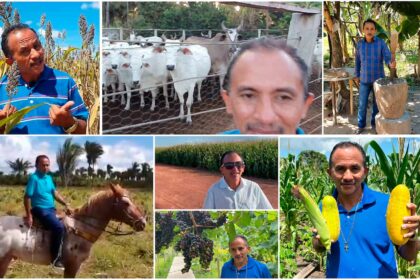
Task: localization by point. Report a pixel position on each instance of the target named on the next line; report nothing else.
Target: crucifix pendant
(346, 247)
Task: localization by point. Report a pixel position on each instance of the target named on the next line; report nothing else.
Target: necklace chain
(346, 241)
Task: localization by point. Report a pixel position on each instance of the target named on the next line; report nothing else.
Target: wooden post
(394, 46)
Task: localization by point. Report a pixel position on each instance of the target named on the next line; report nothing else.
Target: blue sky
(119, 151)
(325, 145)
(63, 16)
(167, 141)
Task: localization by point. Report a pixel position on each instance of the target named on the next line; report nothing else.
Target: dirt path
(186, 188)
(177, 266)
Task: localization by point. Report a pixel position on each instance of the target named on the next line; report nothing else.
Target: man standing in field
(371, 52)
(39, 199)
(241, 265)
(266, 88)
(364, 249)
(64, 110)
(232, 191)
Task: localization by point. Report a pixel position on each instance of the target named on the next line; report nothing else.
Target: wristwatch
(72, 128)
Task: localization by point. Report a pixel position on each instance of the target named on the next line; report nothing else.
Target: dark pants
(364, 91)
(49, 221)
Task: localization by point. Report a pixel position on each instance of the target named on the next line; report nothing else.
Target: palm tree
(19, 166)
(93, 152)
(67, 160)
(134, 170)
(109, 168)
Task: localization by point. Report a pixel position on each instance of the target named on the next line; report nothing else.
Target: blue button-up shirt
(53, 87)
(253, 269)
(370, 251)
(370, 59)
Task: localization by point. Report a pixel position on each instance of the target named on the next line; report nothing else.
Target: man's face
(266, 93)
(239, 250)
(43, 165)
(27, 51)
(232, 167)
(369, 30)
(347, 171)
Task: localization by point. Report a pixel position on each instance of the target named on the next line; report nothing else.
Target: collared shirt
(53, 87)
(248, 195)
(370, 59)
(40, 189)
(253, 269)
(237, 131)
(370, 251)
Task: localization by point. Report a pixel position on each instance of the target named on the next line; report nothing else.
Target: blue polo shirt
(237, 131)
(370, 251)
(53, 87)
(253, 269)
(40, 189)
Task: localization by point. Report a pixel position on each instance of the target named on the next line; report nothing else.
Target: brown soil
(186, 188)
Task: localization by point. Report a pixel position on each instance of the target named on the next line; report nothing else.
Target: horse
(83, 227)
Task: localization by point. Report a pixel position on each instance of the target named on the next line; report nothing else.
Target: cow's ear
(239, 37)
(223, 37)
(186, 51)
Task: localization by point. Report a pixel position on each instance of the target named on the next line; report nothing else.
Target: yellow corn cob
(396, 211)
(315, 215)
(330, 213)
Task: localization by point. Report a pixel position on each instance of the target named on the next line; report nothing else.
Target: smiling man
(63, 109)
(266, 88)
(364, 249)
(232, 191)
(241, 265)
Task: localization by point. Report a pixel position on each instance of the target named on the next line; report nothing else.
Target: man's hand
(393, 64)
(411, 222)
(28, 221)
(7, 111)
(61, 116)
(316, 241)
(68, 210)
(357, 81)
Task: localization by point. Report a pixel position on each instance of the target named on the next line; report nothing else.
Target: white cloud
(92, 5)
(55, 33)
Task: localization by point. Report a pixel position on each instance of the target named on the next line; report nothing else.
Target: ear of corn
(315, 215)
(396, 211)
(330, 213)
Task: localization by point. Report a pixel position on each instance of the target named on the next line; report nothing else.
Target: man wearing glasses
(232, 191)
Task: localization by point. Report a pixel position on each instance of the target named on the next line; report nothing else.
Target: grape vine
(191, 243)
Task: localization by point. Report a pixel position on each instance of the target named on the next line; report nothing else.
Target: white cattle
(316, 65)
(220, 48)
(110, 74)
(125, 74)
(188, 66)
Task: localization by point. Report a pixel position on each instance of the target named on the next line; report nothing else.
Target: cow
(220, 48)
(110, 74)
(188, 66)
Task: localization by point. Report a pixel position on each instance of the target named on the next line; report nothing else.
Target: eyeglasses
(231, 165)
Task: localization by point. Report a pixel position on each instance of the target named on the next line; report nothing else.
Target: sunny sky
(325, 145)
(63, 16)
(167, 141)
(119, 151)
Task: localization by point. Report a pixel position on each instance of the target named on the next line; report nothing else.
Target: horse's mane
(98, 198)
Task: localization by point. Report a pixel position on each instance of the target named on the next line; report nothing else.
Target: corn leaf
(384, 164)
(11, 121)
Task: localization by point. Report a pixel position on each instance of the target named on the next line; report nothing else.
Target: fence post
(155, 32)
(259, 33)
(121, 34)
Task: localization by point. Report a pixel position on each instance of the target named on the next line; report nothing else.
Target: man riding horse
(39, 199)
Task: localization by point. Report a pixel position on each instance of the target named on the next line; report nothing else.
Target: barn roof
(274, 6)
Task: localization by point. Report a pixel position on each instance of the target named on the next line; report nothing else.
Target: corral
(209, 115)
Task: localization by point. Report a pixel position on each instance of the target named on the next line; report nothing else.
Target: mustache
(272, 128)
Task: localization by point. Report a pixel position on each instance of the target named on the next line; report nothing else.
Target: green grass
(164, 262)
(111, 256)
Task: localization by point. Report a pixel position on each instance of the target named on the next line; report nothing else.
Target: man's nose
(264, 111)
(348, 175)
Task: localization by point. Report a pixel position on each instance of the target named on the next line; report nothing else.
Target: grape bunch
(164, 230)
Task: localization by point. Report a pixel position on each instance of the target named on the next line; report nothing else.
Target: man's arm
(387, 54)
(63, 117)
(358, 63)
(5, 112)
(209, 201)
(263, 202)
(409, 250)
(60, 199)
(28, 218)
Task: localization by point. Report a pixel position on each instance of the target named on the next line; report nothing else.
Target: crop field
(260, 156)
(111, 256)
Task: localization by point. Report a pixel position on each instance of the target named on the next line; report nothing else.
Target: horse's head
(124, 210)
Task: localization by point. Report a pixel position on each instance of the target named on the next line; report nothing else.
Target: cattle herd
(145, 64)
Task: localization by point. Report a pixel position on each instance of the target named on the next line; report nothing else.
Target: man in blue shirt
(266, 88)
(64, 110)
(364, 249)
(371, 52)
(241, 265)
(39, 199)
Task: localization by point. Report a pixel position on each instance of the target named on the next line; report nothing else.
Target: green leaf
(384, 164)
(15, 118)
(68, 52)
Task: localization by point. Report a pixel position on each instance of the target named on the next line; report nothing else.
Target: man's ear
(9, 61)
(227, 100)
(308, 101)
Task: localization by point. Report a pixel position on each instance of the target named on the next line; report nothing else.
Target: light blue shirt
(40, 189)
(248, 195)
